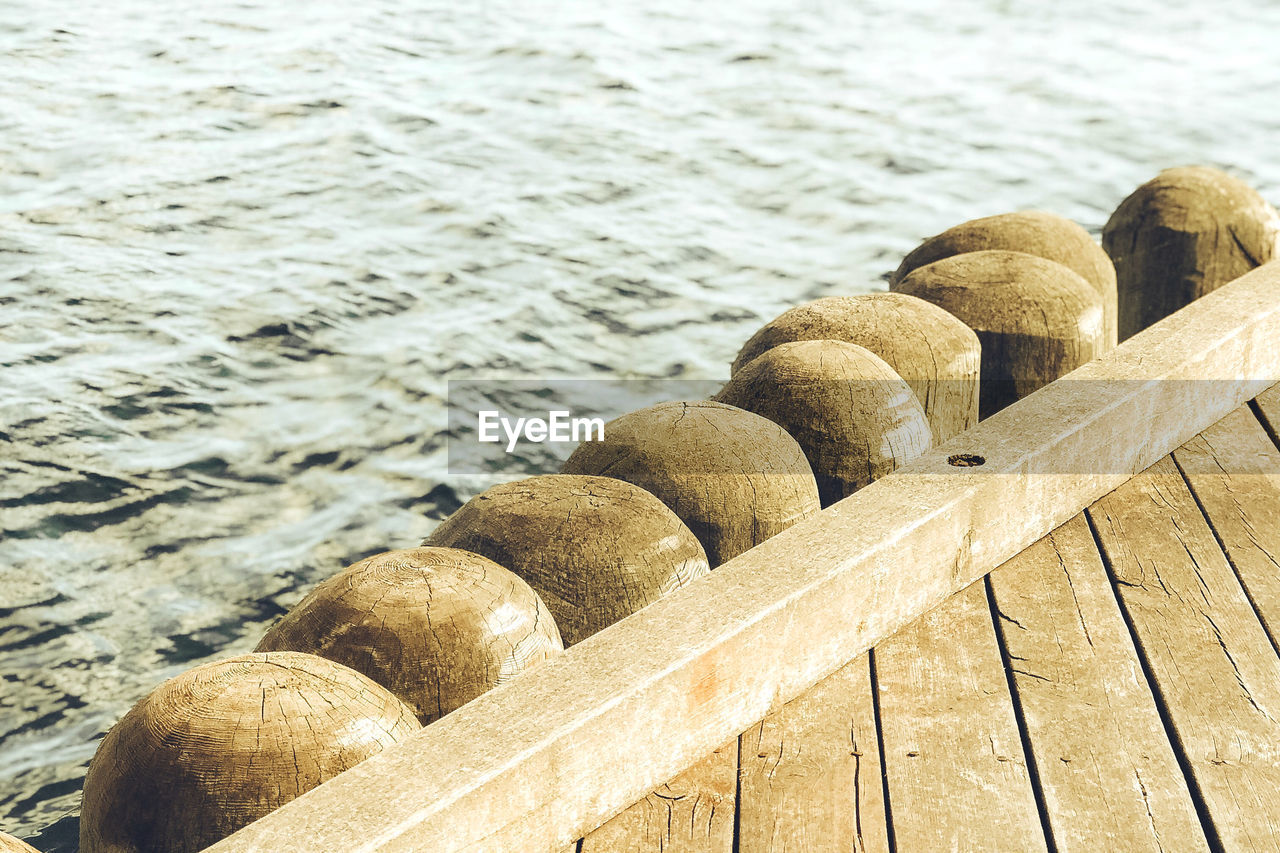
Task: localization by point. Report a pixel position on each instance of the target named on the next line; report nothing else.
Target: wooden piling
(734, 477)
(1036, 232)
(596, 549)
(932, 350)
(854, 417)
(1181, 235)
(225, 743)
(1036, 319)
(435, 626)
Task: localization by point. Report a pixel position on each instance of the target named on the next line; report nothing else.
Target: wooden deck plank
(1233, 469)
(1106, 770)
(692, 813)
(1215, 671)
(810, 774)
(1268, 406)
(952, 750)
(537, 761)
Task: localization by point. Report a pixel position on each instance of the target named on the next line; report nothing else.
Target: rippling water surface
(243, 245)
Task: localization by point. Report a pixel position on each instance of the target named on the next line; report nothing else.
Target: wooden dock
(1069, 647)
(1113, 687)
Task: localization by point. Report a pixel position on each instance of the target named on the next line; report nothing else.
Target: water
(243, 245)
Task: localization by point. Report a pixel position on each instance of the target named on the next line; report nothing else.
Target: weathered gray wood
(692, 813)
(435, 626)
(1233, 469)
(1268, 403)
(1182, 234)
(809, 774)
(1109, 778)
(854, 417)
(810, 777)
(1035, 232)
(935, 353)
(532, 764)
(952, 752)
(952, 744)
(225, 743)
(595, 549)
(1217, 674)
(1036, 319)
(734, 477)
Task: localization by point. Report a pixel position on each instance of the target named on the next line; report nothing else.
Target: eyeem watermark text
(557, 427)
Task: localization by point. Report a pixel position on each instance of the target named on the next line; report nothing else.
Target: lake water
(243, 245)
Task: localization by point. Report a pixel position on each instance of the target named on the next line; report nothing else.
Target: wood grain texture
(435, 626)
(1217, 674)
(935, 353)
(1036, 319)
(532, 764)
(692, 813)
(1181, 235)
(9, 844)
(227, 742)
(853, 416)
(1268, 411)
(1233, 469)
(734, 477)
(1035, 232)
(809, 774)
(1108, 776)
(595, 549)
(953, 757)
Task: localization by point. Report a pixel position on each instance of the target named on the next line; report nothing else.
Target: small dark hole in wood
(966, 460)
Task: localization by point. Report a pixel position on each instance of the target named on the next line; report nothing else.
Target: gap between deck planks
(1186, 579)
(1105, 772)
(810, 776)
(953, 755)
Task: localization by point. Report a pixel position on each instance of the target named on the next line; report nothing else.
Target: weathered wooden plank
(543, 758)
(809, 773)
(1233, 469)
(1216, 672)
(1268, 405)
(1108, 776)
(952, 751)
(692, 813)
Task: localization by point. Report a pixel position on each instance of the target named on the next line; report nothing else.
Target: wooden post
(435, 626)
(9, 844)
(596, 549)
(1182, 234)
(932, 350)
(734, 477)
(855, 418)
(225, 743)
(1045, 235)
(1036, 319)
